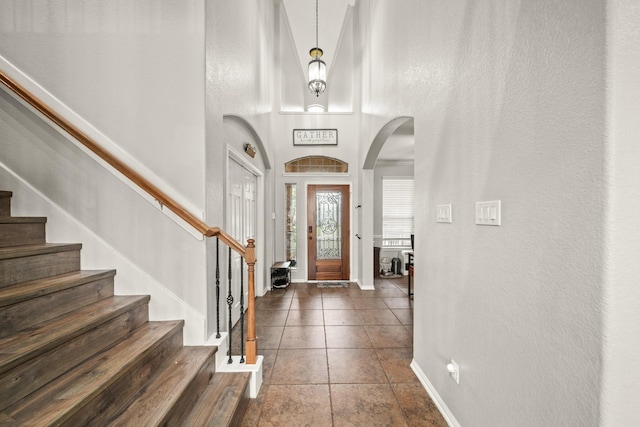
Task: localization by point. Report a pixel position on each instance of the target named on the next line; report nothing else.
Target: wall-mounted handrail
(247, 252)
(117, 164)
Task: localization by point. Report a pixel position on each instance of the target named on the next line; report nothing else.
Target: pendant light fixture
(317, 67)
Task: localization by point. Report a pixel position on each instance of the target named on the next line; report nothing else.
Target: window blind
(397, 211)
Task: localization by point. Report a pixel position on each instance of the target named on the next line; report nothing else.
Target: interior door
(328, 232)
(242, 225)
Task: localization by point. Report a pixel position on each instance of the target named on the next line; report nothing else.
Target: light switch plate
(488, 213)
(443, 214)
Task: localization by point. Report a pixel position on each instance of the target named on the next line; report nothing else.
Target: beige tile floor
(338, 357)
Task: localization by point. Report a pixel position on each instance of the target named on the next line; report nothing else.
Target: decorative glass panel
(290, 227)
(316, 164)
(328, 225)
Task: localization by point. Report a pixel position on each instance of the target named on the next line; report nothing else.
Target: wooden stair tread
(31, 342)
(223, 402)
(23, 220)
(153, 406)
(36, 288)
(68, 394)
(30, 250)
(7, 421)
(72, 353)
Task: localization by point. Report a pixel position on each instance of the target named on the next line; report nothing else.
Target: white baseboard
(223, 365)
(442, 407)
(365, 287)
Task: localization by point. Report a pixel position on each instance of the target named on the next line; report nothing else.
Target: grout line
(376, 351)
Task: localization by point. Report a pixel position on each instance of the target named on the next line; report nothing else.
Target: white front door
(241, 202)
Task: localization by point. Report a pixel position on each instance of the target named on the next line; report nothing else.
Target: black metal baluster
(217, 288)
(241, 310)
(230, 304)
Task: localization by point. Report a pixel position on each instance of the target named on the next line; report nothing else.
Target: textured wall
(509, 104)
(117, 227)
(133, 69)
(133, 73)
(239, 78)
(621, 382)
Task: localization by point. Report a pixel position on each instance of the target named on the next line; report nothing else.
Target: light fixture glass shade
(317, 72)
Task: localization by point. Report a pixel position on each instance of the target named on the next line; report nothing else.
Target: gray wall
(508, 100)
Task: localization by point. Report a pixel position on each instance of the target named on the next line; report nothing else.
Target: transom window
(316, 164)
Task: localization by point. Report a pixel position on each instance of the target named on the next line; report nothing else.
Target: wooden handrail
(247, 252)
(117, 164)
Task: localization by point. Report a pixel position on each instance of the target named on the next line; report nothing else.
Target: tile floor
(338, 357)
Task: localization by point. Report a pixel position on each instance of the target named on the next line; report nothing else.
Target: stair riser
(223, 403)
(73, 354)
(5, 206)
(24, 269)
(21, 234)
(112, 401)
(188, 399)
(22, 315)
(33, 374)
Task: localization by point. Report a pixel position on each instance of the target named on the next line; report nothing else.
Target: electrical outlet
(454, 371)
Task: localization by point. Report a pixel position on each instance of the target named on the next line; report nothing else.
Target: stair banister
(247, 252)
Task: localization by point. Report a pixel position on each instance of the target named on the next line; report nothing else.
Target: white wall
(346, 150)
(119, 229)
(150, 80)
(239, 75)
(133, 69)
(292, 92)
(621, 385)
(131, 74)
(509, 103)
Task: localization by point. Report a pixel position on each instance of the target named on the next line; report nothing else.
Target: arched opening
(256, 137)
(390, 156)
(247, 196)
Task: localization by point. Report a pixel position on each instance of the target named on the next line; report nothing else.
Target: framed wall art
(315, 137)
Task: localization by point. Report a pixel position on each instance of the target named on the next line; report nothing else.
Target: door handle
(311, 229)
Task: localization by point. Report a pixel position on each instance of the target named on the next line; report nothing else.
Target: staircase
(73, 353)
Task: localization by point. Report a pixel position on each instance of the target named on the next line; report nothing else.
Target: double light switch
(488, 213)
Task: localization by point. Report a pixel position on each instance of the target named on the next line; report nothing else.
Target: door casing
(328, 269)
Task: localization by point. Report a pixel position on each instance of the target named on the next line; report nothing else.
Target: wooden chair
(410, 279)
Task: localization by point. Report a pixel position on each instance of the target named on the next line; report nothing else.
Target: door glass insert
(290, 226)
(328, 225)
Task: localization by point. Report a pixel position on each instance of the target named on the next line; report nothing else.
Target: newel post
(252, 342)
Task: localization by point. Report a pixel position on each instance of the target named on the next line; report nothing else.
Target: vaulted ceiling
(335, 38)
(301, 19)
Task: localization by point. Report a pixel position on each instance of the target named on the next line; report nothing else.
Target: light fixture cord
(316, 29)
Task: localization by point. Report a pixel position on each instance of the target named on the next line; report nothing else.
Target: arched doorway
(399, 126)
